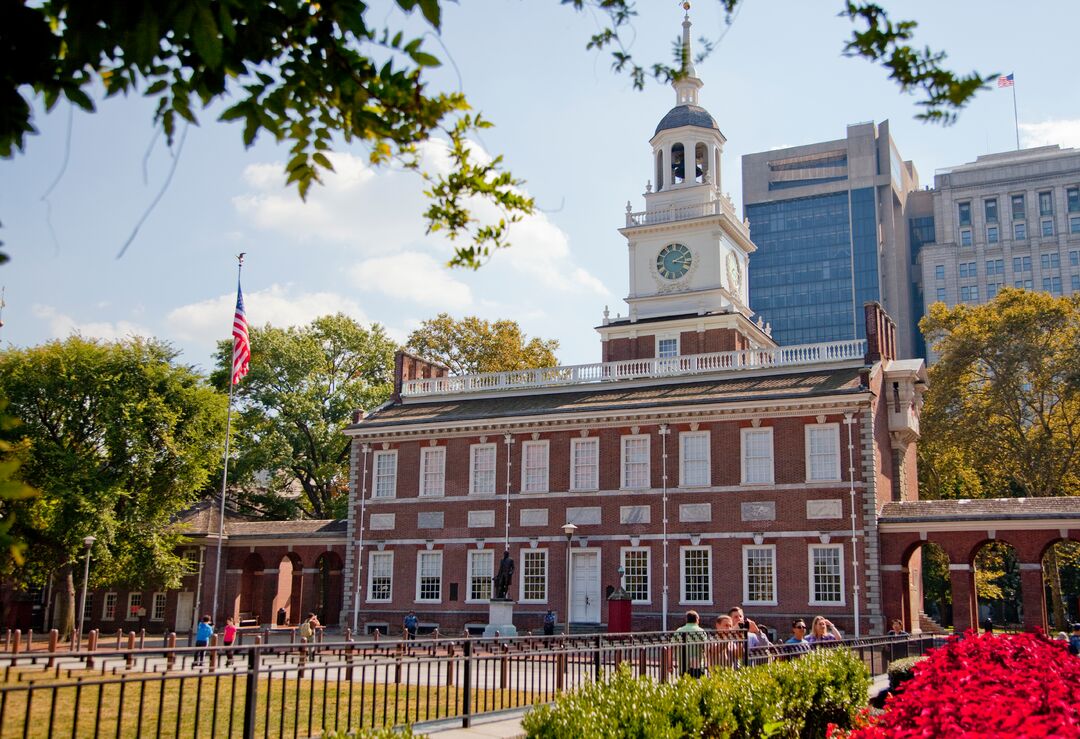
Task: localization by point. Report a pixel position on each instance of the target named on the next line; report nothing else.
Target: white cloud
(541, 250)
(211, 320)
(1063, 132)
(415, 277)
(62, 326)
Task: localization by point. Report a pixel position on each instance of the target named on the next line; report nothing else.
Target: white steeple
(687, 84)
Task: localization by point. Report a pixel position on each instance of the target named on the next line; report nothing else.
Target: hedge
(797, 698)
(900, 670)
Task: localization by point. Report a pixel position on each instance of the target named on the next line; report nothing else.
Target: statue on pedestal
(502, 579)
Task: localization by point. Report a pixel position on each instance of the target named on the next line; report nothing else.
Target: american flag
(1005, 80)
(241, 352)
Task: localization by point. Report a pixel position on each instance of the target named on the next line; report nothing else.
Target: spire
(688, 84)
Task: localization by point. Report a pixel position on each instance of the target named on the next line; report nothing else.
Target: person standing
(1074, 640)
(410, 624)
(228, 636)
(823, 630)
(691, 635)
(798, 642)
(896, 628)
(549, 623)
(755, 636)
(203, 632)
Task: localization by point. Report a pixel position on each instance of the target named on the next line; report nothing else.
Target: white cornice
(995, 524)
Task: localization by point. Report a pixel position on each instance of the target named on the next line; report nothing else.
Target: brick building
(704, 463)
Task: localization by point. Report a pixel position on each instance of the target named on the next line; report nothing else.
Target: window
(759, 574)
(967, 269)
(380, 576)
(990, 209)
(534, 467)
(965, 237)
(481, 569)
(1076, 283)
(433, 471)
(108, 611)
(696, 575)
(133, 606)
(757, 456)
(157, 613)
(635, 462)
(1072, 197)
(1019, 231)
(1047, 227)
(694, 458)
(482, 469)
(993, 288)
(1046, 203)
(826, 574)
(939, 272)
(1018, 207)
(635, 563)
(1023, 284)
(1021, 264)
(1074, 258)
(995, 267)
(1050, 261)
(534, 575)
(585, 464)
(667, 348)
(88, 609)
(385, 474)
(1074, 224)
(941, 295)
(822, 452)
(969, 293)
(964, 213)
(992, 234)
(1052, 285)
(429, 577)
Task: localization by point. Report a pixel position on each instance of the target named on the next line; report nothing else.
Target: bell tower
(688, 251)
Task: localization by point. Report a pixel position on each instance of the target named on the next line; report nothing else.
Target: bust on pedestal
(501, 608)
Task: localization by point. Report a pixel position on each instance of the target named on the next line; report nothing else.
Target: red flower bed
(1020, 685)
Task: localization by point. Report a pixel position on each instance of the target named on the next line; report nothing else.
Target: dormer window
(667, 348)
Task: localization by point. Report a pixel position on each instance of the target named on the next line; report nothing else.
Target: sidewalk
(499, 727)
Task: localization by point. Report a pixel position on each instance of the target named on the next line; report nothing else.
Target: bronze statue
(502, 580)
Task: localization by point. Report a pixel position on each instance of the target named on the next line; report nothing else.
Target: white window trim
(153, 604)
(475, 554)
(746, 576)
(371, 578)
(105, 606)
(547, 576)
(810, 575)
(546, 445)
(806, 436)
(473, 450)
(127, 611)
(595, 482)
(648, 571)
(668, 337)
(772, 455)
(622, 461)
(419, 557)
(375, 474)
(682, 576)
(708, 458)
(425, 454)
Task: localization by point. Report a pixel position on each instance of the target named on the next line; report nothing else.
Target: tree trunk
(1052, 575)
(64, 608)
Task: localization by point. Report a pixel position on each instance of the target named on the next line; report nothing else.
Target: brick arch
(288, 590)
(329, 587)
(251, 586)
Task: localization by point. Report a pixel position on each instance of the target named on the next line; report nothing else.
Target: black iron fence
(301, 689)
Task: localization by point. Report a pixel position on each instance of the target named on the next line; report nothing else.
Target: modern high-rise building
(828, 221)
(1009, 219)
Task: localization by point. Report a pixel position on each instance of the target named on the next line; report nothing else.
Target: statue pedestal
(500, 618)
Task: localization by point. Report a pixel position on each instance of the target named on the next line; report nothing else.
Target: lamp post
(568, 529)
(88, 542)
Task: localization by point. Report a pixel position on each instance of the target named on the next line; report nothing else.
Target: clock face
(673, 261)
(734, 272)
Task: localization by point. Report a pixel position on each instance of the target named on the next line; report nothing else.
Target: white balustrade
(699, 210)
(638, 369)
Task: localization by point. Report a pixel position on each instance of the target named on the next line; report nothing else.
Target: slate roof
(686, 115)
(305, 527)
(600, 398)
(918, 511)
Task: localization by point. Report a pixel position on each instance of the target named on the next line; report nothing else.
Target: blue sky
(574, 131)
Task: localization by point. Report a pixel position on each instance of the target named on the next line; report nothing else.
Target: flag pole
(225, 464)
(1016, 119)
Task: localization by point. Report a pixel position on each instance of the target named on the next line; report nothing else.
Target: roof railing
(639, 369)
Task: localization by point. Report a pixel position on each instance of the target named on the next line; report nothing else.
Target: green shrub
(900, 670)
(796, 698)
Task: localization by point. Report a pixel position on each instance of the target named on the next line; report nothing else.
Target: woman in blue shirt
(203, 633)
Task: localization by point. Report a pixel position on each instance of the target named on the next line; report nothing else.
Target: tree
(474, 345)
(302, 388)
(315, 74)
(1002, 415)
(118, 438)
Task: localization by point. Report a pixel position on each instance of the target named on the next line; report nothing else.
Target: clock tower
(688, 250)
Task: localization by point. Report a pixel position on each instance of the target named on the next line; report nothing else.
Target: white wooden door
(585, 587)
(185, 604)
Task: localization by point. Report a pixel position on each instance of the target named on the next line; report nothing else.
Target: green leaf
(425, 59)
(432, 12)
(320, 159)
(158, 86)
(205, 36)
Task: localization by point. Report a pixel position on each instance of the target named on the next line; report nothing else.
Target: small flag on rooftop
(1005, 80)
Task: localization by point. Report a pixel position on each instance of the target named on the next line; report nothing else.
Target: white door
(185, 605)
(585, 587)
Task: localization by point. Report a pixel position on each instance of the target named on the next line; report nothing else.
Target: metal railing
(637, 369)
(272, 690)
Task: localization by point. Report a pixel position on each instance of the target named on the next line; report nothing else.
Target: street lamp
(568, 529)
(88, 542)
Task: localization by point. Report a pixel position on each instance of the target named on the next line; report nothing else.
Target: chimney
(411, 367)
(880, 333)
